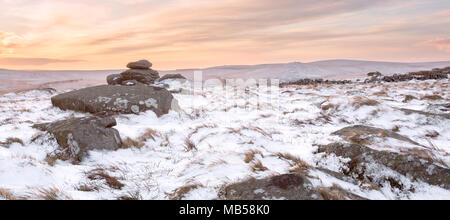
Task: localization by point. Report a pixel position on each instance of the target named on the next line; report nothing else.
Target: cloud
(33, 61)
(8, 41)
(223, 22)
(440, 43)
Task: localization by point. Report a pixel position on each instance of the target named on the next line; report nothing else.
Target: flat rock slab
(172, 76)
(146, 76)
(80, 135)
(287, 187)
(116, 99)
(141, 64)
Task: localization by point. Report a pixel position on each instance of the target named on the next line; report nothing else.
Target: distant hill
(320, 69)
(331, 69)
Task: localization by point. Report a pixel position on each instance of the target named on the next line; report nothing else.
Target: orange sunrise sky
(173, 34)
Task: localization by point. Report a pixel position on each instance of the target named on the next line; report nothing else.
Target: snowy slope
(224, 131)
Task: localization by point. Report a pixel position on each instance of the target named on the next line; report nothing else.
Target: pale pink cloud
(440, 43)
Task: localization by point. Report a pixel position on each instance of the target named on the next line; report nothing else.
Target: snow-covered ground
(222, 139)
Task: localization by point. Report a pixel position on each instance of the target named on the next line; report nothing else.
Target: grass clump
(11, 140)
(181, 192)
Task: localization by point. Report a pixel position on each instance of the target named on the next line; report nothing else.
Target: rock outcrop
(116, 99)
(287, 187)
(365, 165)
(77, 136)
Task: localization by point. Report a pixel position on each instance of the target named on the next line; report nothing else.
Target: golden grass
(432, 97)
(298, 165)
(257, 166)
(181, 192)
(250, 155)
(11, 140)
(101, 174)
(189, 145)
(359, 102)
(51, 193)
(6, 194)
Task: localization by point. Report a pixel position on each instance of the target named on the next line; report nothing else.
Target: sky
(178, 34)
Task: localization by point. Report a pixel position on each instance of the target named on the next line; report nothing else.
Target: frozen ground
(219, 140)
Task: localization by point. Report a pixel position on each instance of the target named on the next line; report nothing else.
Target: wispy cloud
(184, 33)
(33, 61)
(440, 43)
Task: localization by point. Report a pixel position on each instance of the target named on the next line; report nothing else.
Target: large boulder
(77, 136)
(287, 187)
(141, 64)
(146, 76)
(116, 99)
(366, 165)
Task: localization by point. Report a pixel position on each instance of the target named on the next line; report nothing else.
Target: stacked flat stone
(138, 72)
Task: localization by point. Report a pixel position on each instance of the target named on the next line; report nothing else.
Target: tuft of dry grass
(408, 98)
(11, 140)
(131, 196)
(359, 102)
(149, 134)
(335, 192)
(257, 166)
(100, 174)
(396, 128)
(331, 193)
(189, 145)
(250, 155)
(181, 192)
(330, 107)
(51, 160)
(88, 187)
(130, 143)
(6, 194)
(51, 193)
(298, 165)
(432, 134)
(382, 92)
(432, 97)
(140, 141)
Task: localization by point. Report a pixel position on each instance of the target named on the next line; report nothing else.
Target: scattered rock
(141, 64)
(116, 99)
(114, 79)
(79, 135)
(287, 187)
(363, 160)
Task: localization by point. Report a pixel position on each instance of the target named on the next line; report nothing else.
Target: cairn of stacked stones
(138, 72)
